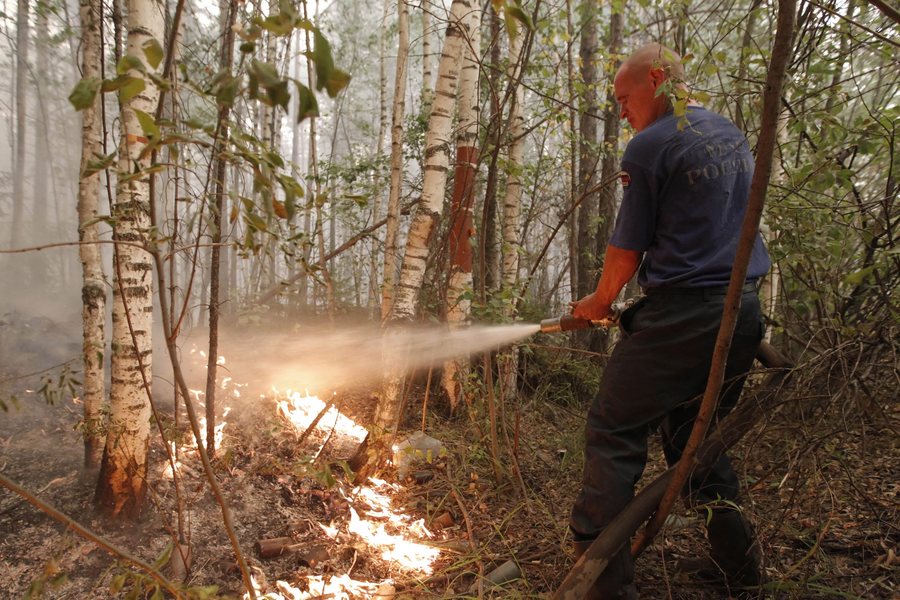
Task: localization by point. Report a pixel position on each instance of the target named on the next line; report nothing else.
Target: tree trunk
(489, 259)
(226, 54)
(606, 210)
(121, 486)
(22, 42)
(512, 204)
(93, 289)
(389, 281)
(373, 295)
(572, 187)
(428, 213)
(587, 152)
(458, 302)
(427, 59)
(43, 173)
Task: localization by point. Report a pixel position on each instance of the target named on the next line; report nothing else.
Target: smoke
(316, 359)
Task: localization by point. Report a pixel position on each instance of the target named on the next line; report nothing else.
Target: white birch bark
(392, 227)
(437, 161)
(512, 203)
(428, 211)
(93, 288)
(373, 295)
(427, 59)
(121, 488)
(458, 305)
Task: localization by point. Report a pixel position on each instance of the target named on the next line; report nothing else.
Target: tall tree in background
(587, 151)
(512, 205)
(427, 58)
(428, 213)
(23, 30)
(93, 288)
(226, 57)
(389, 280)
(606, 209)
(121, 487)
(462, 228)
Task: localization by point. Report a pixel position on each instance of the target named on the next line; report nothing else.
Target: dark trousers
(655, 379)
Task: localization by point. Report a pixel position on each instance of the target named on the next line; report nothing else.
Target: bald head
(638, 81)
(653, 57)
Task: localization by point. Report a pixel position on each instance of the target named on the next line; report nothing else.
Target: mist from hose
(318, 358)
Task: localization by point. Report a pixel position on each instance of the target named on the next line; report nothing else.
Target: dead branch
(593, 562)
(91, 536)
(781, 53)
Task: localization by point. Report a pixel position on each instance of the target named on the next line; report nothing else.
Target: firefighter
(686, 181)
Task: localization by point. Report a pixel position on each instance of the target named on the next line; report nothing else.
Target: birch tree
(93, 288)
(512, 204)
(587, 148)
(121, 487)
(428, 213)
(462, 228)
(22, 42)
(389, 281)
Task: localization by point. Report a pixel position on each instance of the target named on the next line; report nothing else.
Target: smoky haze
(318, 359)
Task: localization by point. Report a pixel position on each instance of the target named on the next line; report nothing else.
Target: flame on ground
(337, 587)
(388, 531)
(301, 411)
(190, 447)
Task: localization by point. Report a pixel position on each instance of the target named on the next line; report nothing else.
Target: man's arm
(618, 267)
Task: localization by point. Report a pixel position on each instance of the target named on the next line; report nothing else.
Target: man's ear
(657, 76)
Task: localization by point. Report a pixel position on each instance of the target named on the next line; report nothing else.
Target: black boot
(734, 549)
(616, 580)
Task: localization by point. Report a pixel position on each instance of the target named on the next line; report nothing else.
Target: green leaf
(514, 11)
(129, 62)
(148, 124)
(131, 88)
(857, 277)
(248, 47)
(84, 93)
(228, 91)
(161, 83)
(153, 52)
(265, 73)
(256, 222)
(322, 58)
(280, 24)
(118, 582)
(336, 82)
(306, 102)
(279, 94)
(102, 163)
(163, 558)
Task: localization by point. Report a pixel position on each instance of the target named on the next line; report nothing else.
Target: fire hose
(571, 323)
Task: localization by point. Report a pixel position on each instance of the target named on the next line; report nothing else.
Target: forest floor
(825, 506)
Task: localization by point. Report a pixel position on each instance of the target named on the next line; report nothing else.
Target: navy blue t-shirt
(685, 196)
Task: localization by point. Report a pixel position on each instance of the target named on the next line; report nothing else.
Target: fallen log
(282, 546)
(618, 533)
(275, 547)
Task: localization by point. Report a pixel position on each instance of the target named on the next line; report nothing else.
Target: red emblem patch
(626, 179)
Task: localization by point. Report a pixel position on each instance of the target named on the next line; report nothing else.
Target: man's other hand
(591, 307)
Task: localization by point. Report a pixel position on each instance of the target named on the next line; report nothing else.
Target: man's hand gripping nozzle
(570, 323)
